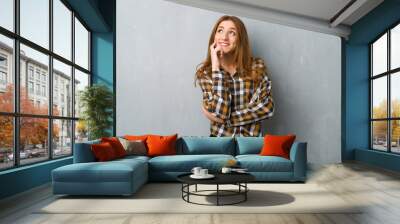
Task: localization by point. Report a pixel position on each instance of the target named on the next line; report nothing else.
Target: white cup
(226, 170)
(203, 172)
(196, 170)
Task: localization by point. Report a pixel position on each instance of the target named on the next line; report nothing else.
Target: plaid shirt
(237, 102)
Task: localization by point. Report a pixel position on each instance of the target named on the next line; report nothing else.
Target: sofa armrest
(83, 152)
(298, 155)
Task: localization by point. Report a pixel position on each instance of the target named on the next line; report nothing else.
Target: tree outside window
(385, 91)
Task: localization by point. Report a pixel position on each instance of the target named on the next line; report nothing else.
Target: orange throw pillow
(277, 145)
(161, 145)
(136, 137)
(116, 145)
(103, 152)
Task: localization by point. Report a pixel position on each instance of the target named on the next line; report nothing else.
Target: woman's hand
(214, 49)
(211, 117)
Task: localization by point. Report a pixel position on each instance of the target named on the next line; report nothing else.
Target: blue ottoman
(118, 177)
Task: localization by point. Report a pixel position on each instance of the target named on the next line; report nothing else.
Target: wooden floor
(353, 182)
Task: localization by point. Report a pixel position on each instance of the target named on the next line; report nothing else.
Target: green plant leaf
(96, 102)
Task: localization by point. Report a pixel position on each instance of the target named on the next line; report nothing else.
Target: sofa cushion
(249, 145)
(116, 145)
(111, 171)
(134, 147)
(206, 145)
(185, 163)
(161, 145)
(133, 158)
(277, 145)
(103, 151)
(136, 137)
(257, 163)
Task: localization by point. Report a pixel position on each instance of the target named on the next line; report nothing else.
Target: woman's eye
(232, 33)
(219, 31)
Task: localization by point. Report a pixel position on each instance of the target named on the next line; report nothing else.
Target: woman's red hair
(242, 53)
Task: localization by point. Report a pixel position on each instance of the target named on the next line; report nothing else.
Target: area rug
(167, 198)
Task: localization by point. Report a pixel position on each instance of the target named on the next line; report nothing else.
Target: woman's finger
(212, 46)
(218, 49)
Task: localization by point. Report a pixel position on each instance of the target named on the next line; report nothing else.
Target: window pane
(62, 89)
(395, 47)
(379, 135)
(34, 78)
(6, 74)
(81, 81)
(62, 137)
(395, 136)
(33, 139)
(81, 131)
(62, 29)
(6, 142)
(379, 100)
(379, 55)
(81, 45)
(7, 14)
(395, 94)
(35, 21)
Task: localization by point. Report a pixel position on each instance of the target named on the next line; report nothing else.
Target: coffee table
(238, 179)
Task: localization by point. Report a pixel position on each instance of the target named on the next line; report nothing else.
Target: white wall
(159, 45)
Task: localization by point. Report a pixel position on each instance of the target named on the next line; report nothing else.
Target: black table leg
(217, 194)
(188, 190)
(182, 190)
(245, 193)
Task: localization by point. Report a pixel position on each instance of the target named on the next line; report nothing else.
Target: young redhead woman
(236, 88)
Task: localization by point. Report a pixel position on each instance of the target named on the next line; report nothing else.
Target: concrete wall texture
(159, 45)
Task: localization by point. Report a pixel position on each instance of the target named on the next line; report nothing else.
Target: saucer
(208, 176)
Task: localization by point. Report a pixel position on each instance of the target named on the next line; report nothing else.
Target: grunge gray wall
(160, 43)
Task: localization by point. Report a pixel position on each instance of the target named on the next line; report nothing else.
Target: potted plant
(96, 102)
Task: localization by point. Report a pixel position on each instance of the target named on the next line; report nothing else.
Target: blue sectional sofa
(125, 176)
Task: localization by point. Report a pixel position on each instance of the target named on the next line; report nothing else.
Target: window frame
(388, 74)
(3, 70)
(3, 77)
(16, 114)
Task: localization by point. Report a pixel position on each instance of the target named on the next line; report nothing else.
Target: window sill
(26, 167)
(385, 160)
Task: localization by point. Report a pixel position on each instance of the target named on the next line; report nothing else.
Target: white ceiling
(320, 9)
(325, 16)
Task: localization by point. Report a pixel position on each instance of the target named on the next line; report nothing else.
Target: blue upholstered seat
(95, 172)
(118, 177)
(257, 163)
(184, 163)
(167, 168)
(205, 145)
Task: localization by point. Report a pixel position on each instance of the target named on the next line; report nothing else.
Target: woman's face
(226, 36)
